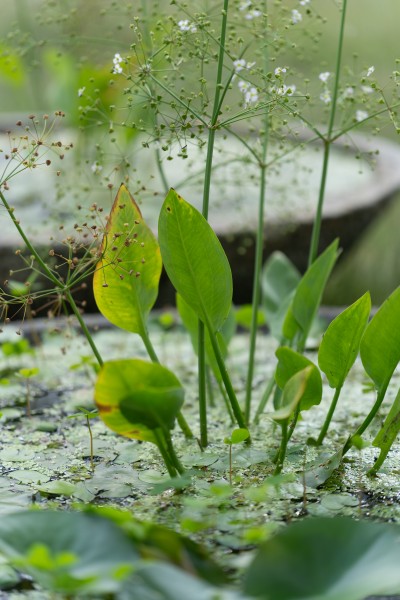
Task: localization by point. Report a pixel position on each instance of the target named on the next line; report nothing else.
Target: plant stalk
(328, 419)
(316, 232)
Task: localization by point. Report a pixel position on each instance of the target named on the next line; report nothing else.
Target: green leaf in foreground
(341, 342)
(126, 279)
(195, 261)
(380, 345)
(135, 397)
(68, 552)
(329, 559)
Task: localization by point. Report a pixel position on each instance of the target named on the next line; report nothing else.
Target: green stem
(328, 419)
(202, 385)
(293, 423)
(206, 201)
(31, 249)
(210, 390)
(83, 325)
(171, 451)
(282, 449)
(226, 401)
(159, 438)
(368, 418)
(266, 395)
(327, 144)
(227, 382)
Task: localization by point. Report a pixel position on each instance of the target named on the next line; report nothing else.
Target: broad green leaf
(224, 336)
(195, 261)
(388, 433)
(290, 363)
(279, 281)
(380, 344)
(134, 397)
(341, 342)
(126, 279)
(68, 552)
(239, 435)
(327, 559)
(300, 386)
(308, 294)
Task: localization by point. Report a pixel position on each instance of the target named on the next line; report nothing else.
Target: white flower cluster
(186, 25)
(241, 64)
(251, 13)
(249, 92)
(117, 60)
(325, 96)
(296, 16)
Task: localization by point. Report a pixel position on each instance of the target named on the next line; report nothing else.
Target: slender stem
(159, 438)
(266, 395)
(171, 450)
(227, 382)
(83, 325)
(91, 442)
(206, 201)
(202, 385)
(328, 419)
(210, 390)
(282, 449)
(327, 143)
(31, 249)
(368, 418)
(230, 464)
(293, 422)
(256, 296)
(184, 425)
(149, 346)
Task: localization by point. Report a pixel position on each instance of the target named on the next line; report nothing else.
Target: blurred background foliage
(52, 51)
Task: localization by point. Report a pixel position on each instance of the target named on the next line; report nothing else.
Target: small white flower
(117, 69)
(325, 97)
(81, 91)
(186, 25)
(296, 16)
(324, 76)
(304, 2)
(117, 60)
(283, 90)
(370, 71)
(96, 168)
(253, 14)
(367, 89)
(245, 5)
(280, 70)
(251, 96)
(243, 86)
(348, 92)
(239, 65)
(361, 115)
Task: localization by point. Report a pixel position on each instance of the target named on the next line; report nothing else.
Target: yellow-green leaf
(126, 279)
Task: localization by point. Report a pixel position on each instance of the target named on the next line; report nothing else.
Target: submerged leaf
(126, 279)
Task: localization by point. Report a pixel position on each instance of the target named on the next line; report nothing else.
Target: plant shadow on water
(275, 500)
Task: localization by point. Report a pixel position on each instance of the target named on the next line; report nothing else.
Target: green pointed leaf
(195, 261)
(279, 281)
(308, 294)
(68, 552)
(341, 342)
(290, 363)
(341, 559)
(126, 279)
(134, 397)
(388, 433)
(224, 336)
(380, 344)
(298, 388)
(244, 316)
